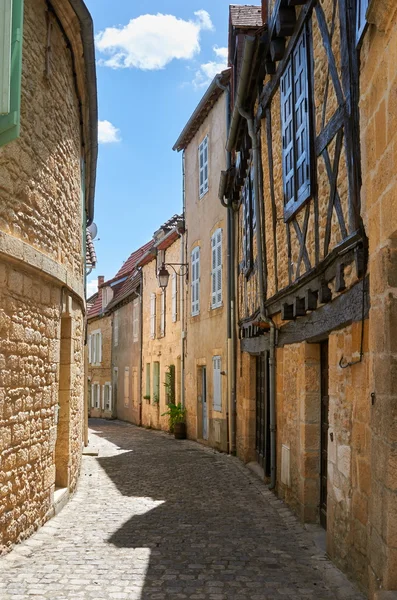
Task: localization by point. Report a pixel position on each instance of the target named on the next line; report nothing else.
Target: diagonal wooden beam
(304, 236)
(333, 177)
(299, 235)
(328, 49)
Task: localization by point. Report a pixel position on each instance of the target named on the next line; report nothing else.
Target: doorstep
(61, 496)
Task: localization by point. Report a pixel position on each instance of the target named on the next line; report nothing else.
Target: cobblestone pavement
(158, 519)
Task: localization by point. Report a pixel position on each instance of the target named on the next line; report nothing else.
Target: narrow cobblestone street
(158, 519)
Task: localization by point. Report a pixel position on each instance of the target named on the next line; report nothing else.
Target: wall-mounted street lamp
(163, 274)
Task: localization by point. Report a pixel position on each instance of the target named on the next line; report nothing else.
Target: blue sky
(154, 62)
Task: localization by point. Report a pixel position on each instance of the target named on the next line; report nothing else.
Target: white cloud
(207, 71)
(92, 287)
(150, 42)
(108, 133)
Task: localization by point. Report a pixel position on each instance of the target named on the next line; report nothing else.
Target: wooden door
(205, 406)
(324, 434)
(262, 448)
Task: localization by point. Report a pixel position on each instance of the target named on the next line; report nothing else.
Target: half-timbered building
(312, 136)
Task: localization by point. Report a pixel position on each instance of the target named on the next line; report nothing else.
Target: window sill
(201, 196)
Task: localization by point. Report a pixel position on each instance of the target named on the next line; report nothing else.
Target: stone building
(161, 379)
(208, 339)
(48, 150)
(313, 186)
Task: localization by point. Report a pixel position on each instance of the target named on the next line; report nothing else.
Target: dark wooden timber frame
(309, 279)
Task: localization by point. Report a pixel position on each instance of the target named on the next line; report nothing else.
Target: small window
(195, 285)
(95, 348)
(361, 21)
(156, 383)
(203, 166)
(217, 400)
(216, 271)
(96, 395)
(153, 316)
(135, 320)
(116, 329)
(107, 397)
(296, 129)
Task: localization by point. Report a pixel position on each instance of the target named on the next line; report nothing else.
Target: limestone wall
(101, 373)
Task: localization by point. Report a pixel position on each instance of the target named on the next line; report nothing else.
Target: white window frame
(203, 157)
(217, 383)
(116, 328)
(195, 284)
(95, 396)
(162, 313)
(107, 387)
(174, 287)
(216, 269)
(95, 348)
(135, 320)
(5, 53)
(153, 316)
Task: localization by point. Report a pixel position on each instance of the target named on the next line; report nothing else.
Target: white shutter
(153, 316)
(5, 53)
(100, 347)
(93, 395)
(103, 397)
(217, 400)
(89, 349)
(110, 396)
(174, 297)
(195, 285)
(135, 320)
(162, 316)
(216, 271)
(203, 167)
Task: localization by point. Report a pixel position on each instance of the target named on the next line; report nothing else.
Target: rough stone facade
(42, 280)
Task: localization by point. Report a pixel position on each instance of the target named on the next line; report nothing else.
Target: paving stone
(158, 519)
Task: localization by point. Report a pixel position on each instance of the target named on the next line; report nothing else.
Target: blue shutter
(217, 399)
(247, 234)
(216, 270)
(195, 285)
(10, 122)
(302, 171)
(288, 135)
(252, 189)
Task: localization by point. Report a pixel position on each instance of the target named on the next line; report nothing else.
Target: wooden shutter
(216, 273)
(126, 386)
(217, 400)
(11, 72)
(361, 21)
(153, 316)
(195, 285)
(287, 111)
(162, 316)
(301, 117)
(156, 382)
(147, 379)
(89, 349)
(174, 284)
(135, 320)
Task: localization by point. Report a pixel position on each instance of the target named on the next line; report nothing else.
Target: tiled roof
(91, 259)
(245, 15)
(131, 262)
(95, 308)
(125, 289)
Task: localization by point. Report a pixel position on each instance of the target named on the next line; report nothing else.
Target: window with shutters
(203, 166)
(162, 314)
(107, 396)
(195, 285)
(156, 383)
(153, 316)
(296, 129)
(217, 399)
(11, 25)
(147, 388)
(247, 227)
(126, 386)
(135, 320)
(361, 21)
(96, 395)
(174, 285)
(216, 271)
(95, 347)
(116, 329)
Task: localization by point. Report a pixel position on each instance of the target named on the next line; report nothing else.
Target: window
(11, 23)
(162, 314)
(107, 396)
(361, 21)
(152, 316)
(96, 395)
(203, 166)
(174, 286)
(126, 386)
(216, 272)
(295, 129)
(247, 227)
(116, 329)
(217, 400)
(156, 383)
(135, 320)
(195, 285)
(147, 391)
(95, 347)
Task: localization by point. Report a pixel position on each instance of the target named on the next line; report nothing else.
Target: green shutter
(10, 123)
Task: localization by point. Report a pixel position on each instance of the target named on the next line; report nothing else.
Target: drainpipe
(182, 288)
(242, 86)
(231, 331)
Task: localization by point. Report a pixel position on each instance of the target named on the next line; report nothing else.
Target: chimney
(101, 280)
(264, 11)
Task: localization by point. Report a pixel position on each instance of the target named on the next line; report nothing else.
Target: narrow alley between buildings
(158, 519)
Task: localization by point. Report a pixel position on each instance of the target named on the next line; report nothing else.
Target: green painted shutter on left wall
(10, 123)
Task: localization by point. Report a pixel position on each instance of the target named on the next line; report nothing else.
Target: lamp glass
(163, 277)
